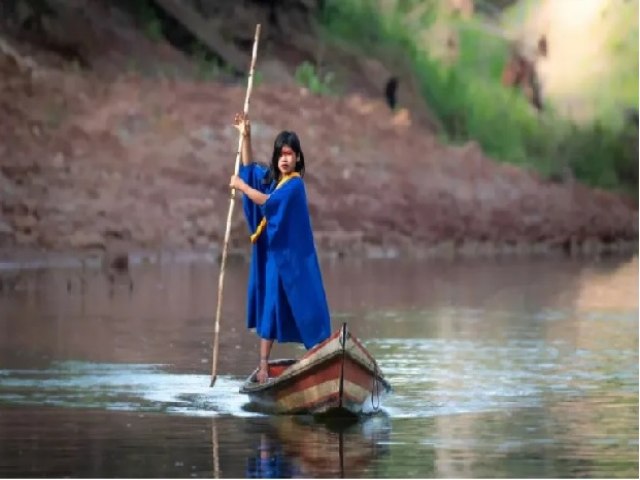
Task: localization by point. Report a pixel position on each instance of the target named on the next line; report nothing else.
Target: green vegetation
(612, 82)
(153, 30)
(471, 102)
(307, 76)
(208, 67)
(146, 16)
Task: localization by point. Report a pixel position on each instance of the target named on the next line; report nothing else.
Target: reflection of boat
(297, 446)
(338, 376)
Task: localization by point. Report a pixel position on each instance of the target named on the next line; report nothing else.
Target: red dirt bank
(143, 163)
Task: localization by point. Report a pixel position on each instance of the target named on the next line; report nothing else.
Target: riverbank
(139, 163)
(113, 160)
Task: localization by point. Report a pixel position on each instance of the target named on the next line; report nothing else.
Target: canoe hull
(339, 376)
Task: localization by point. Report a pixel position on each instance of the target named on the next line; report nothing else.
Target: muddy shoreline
(144, 164)
(28, 258)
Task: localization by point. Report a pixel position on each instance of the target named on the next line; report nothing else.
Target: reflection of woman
(332, 451)
(269, 462)
(301, 447)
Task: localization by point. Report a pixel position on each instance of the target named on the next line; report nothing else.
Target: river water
(500, 368)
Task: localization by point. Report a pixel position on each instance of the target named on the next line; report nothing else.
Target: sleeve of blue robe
(290, 243)
(254, 175)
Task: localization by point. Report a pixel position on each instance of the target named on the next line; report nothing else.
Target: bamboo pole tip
(213, 381)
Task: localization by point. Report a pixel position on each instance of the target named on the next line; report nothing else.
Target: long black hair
(291, 140)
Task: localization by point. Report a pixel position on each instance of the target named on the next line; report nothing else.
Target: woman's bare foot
(263, 372)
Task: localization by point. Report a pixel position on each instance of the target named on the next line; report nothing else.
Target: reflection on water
(301, 447)
(102, 443)
(500, 369)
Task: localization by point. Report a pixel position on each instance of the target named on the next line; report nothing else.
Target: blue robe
(286, 298)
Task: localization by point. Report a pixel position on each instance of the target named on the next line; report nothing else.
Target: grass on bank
(471, 103)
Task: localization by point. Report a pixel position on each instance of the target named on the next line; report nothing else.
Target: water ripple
(134, 387)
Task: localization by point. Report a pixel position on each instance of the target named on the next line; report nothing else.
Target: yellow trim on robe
(263, 222)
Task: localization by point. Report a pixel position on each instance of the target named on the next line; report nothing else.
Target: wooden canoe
(336, 377)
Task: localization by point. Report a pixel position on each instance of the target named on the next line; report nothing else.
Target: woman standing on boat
(286, 299)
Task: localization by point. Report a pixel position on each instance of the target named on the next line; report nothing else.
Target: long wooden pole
(225, 246)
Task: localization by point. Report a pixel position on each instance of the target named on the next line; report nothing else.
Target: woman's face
(287, 160)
